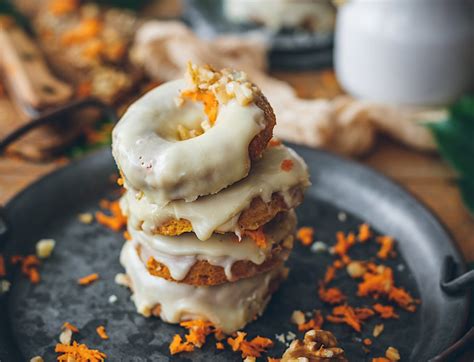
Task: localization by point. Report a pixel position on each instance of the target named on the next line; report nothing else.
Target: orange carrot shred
(208, 99)
(367, 341)
(78, 352)
(3, 270)
(364, 232)
(102, 332)
(380, 359)
(305, 235)
(386, 247)
(253, 348)
(286, 165)
(330, 273)
(331, 295)
(219, 345)
(71, 327)
(314, 323)
(88, 279)
(385, 311)
(258, 236)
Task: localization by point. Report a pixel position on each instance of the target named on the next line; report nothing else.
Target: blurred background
(388, 83)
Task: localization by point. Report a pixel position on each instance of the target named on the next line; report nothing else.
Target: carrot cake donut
(193, 137)
(229, 306)
(220, 259)
(276, 183)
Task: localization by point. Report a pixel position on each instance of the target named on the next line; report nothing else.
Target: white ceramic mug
(418, 52)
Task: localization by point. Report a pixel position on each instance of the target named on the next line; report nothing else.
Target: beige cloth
(345, 125)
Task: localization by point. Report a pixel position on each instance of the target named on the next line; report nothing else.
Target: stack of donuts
(209, 199)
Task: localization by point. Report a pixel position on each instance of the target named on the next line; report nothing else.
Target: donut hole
(188, 121)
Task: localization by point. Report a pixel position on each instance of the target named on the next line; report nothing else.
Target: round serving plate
(31, 316)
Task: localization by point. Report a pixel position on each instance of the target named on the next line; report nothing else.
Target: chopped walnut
(297, 317)
(226, 84)
(356, 269)
(317, 346)
(378, 329)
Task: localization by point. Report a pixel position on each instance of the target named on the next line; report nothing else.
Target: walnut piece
(317, 346)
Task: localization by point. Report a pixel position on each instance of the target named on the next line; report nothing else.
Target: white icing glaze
(228, 306)
(152, 160)
(180, 253)
(221, 211)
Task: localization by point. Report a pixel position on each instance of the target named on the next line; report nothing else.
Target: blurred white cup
(416, 52)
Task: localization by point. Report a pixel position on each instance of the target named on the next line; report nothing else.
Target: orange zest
(305, 234)
(208, 99)
(385, 311)
(88, 279)
(287, 165)
(253, 348)
(79, 352)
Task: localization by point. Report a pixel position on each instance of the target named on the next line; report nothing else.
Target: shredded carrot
(351, 316)
(258, 236)
(343, 243)
(286, 165)
(367, 341)
(87, 29)
(331, 295)
(274, 142)
(71, 327)
(120, 181)
(62, 7)
(314, 323)
(126, 235)
(378, 283)
(385, 311)
(198, 331)
(253, 348)
(208, 99)
(386, 247)
(102, 332)
(178, 346)
(116, 221)
(305, 235)
(403, 299)
(84, 89)
(330, 274)
(88, 279)
(364, 232)
(338, 264)
(3, 270)
(219, 345)
(79, 352)
(29, 266)
(380, 359)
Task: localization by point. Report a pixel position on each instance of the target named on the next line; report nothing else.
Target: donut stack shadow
(209, 208)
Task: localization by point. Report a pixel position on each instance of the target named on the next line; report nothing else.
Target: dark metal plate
(31, 316)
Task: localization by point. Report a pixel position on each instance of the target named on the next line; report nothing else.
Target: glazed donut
(246, 205)
(184, 139)
(229, 306)
(221, 259)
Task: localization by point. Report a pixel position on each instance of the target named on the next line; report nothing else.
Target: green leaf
(455, 139)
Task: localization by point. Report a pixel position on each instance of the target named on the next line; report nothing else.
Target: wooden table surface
(425, 175)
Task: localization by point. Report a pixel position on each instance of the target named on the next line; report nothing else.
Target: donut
(193, 137)
(221, 259)
(229, 306)
(246, 205)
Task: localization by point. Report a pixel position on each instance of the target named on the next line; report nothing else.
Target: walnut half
(317, 346)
